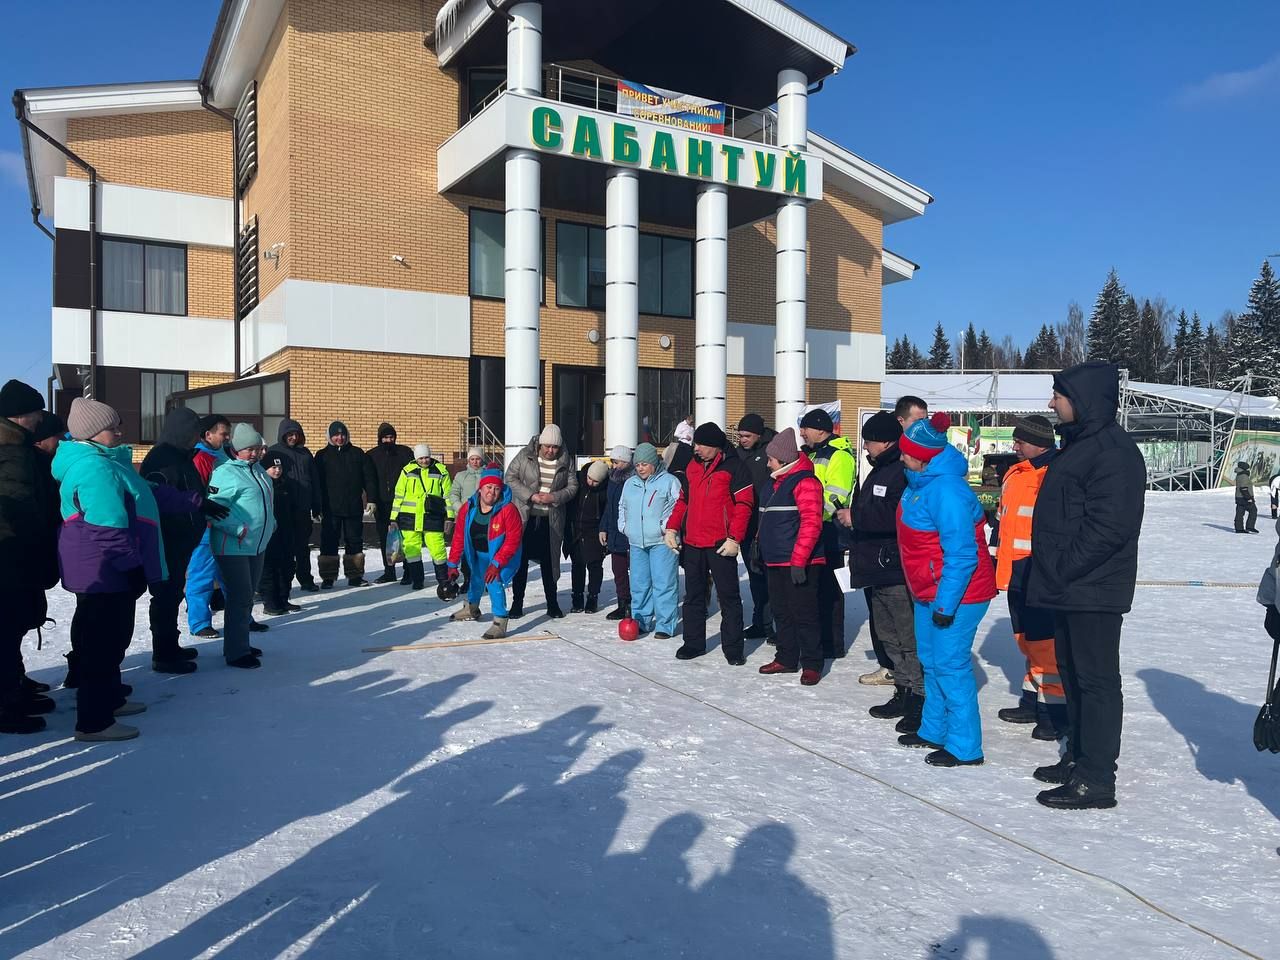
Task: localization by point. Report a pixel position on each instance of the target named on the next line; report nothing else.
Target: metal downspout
(20, 111)
(235, 230)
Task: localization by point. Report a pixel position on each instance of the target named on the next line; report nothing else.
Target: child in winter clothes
(615, 542)
(278, 563)
(488, 533)
(790, 538)
(583, 540)
(648, 498)
(942, 539)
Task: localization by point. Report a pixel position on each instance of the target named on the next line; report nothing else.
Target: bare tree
(1072, 336)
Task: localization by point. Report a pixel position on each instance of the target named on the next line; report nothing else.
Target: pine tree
(1264, 307)
(1196, 374)
(986, 351)
(971, 354)
(917, 359)
(940, 352)
(1150, 357)
(1104, 325)
(1181, 357)
(1125, 346)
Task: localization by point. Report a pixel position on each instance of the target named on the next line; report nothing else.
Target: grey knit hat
(88, 418)
(648, 453)
(244, 436)
(620, 453)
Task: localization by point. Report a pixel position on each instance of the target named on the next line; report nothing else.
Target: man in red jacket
(714, 509)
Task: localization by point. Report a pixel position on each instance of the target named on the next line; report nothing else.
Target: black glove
(214, 510)
(943, 620)
(1272, 622)
(799, 575)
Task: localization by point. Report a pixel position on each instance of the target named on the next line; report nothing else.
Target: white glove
(729, 548)
(672, 540)
(604, 539)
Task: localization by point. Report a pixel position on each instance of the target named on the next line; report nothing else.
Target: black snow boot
(623, 612)
(913, 706)
(592, 604)
(1075, 794)
(13, 722)
(389, 574)
(1059, 772)
(1024, 712)
(575, 603)
(415, 574)
(895, 706)
(517, 609)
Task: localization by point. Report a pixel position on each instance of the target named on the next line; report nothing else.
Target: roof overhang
(240, 38)
(697, 46)
(893, 197)
(50, 108)
(895, 269)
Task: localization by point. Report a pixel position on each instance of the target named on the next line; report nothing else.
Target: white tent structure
(1194, 425)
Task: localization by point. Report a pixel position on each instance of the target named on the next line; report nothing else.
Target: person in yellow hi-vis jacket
(422, 511)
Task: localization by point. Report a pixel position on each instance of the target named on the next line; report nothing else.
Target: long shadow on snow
(150, 820)
(995, 938)
(501, 852)
(1219, 733)
(999, 649)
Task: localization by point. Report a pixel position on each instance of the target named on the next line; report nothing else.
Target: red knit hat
(925, 439)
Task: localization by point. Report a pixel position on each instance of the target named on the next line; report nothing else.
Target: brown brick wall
(209, 283)
(205, 378)
(269, 194)
(756, 395)
(188, 151)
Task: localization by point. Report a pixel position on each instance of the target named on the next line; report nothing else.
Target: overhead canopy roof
(728, 50)
(1207, 398)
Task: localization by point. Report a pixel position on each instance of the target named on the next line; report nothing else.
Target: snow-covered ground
(582, 797)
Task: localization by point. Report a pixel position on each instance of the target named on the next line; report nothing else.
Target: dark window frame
(466, 101)
(662, 238)
(471, 290)
(186, 274)
(604, 244)
(180, 398)
(162, 409)
(660, 436)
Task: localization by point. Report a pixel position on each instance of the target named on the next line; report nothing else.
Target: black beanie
(384, 430)
(210, 421)
(18, 399)
(1035, 430)
(817, 419)
(338, 427)
(752, 423)
(709, 435)
(882, 426)
(51, 425)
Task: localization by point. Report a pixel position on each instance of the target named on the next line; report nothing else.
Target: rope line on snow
(926, 801)
(1197, 583)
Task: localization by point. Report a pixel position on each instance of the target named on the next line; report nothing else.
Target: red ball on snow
(629, 629)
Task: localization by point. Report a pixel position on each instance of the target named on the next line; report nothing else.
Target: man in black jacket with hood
(304, 496)
(347, 483)
(388, 458)
(1084, 566)
(753, 438)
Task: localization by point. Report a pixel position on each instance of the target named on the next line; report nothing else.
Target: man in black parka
(347, 483)
(304, 496)
(1084, 566)
(389, 458)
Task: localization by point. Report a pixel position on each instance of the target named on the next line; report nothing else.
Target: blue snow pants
(950, 691)
(655, 587)
(202, 577)
(477, 587)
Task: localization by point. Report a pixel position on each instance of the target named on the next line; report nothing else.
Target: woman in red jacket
(790, 535)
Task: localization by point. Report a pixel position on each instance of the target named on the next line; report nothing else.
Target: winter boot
(407, 579)
(553, 608)
(575, 603)
(913, 705)
(207, 633)
(73, 674)
(13, 722)
(1043, 730)
(217, 601)
(415, 573)
(1024, 712)
(1059, 772)
(622, 613)
(117, 731)
(34, 686)
(442, 573)
(757, 631)
(878, 677)
(497, 630)
(517, 609)
(915, 740)
(1075, 794)
(389, 574)
(173, 666)
(945, 758)
(592, 605)
(810, 678)
(353, 567)
(469, 611)
(1054, 715)
(33, 704)
(777, 667)
(895, 706)
(328, 567)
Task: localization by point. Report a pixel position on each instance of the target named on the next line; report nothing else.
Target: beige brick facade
(188, 151)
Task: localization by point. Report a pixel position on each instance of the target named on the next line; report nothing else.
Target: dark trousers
(383, 512)
(1275, 505)
(587, 557)
(100, 633)
(1089, 663)
(1246, 515)
(698, 563)
(300, 538)
(795, 615)
(536, 546)
(350, 530)
(622, 577)
(831, 606)
(18, 608)
(894, 614)
(877, 644)
(758, 578)
(277, 575)
(162, 612)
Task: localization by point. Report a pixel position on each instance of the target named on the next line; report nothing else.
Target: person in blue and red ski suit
(488, 533)
(943, 544)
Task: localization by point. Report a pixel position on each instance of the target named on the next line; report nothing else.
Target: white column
(523, 251)
(793, 231)
(711, 305)
(622, 309)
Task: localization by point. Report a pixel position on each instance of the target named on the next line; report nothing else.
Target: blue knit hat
(491, 474)
(925, 439)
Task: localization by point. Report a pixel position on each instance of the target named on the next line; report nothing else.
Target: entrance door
(579, 403)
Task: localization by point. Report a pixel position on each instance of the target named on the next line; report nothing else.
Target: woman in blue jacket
(648, 498)
(239, 540)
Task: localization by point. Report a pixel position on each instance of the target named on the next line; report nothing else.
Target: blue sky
(1059, 140)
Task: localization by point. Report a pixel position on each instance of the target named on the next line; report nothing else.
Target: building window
(487, 254)
(154, 395)
(666, 276)
(139, 277)
(262, 402)
(665, 398)
(483, 87)
(580, 268)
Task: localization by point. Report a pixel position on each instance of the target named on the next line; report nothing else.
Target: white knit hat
(421, 450)
(475, 452)
(551, 436)
(621, 454)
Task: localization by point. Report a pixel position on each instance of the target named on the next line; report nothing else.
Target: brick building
(469, 217)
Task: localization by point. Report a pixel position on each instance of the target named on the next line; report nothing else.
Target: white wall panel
(149, 341)
(144, 213)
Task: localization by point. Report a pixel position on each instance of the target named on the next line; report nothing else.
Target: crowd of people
(214, 516)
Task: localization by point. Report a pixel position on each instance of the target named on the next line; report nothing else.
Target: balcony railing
(599, 92)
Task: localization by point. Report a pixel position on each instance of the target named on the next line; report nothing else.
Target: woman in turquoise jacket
(648, 497)
(239, 540)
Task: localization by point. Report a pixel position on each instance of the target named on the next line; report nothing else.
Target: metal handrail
(598, 91)
(477, 433)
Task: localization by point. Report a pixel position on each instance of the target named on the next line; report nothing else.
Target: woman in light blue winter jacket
(648, 498)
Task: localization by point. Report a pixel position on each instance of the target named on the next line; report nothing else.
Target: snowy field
(582, 797)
